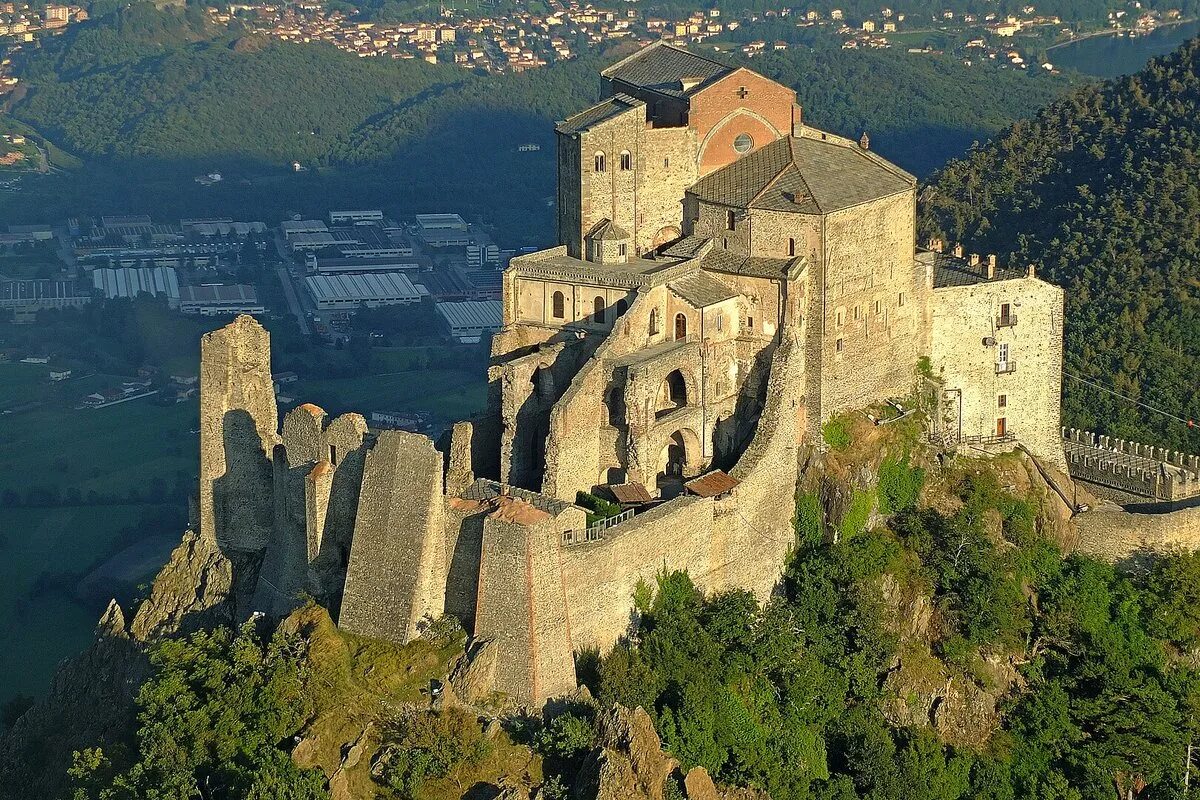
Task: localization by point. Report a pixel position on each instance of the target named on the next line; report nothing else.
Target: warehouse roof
(373, 286)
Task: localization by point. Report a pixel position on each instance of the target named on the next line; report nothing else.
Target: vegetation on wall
(1101, 192)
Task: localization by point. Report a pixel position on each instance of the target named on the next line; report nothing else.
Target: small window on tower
(839, 317)
(666, 163)
(878, 307)
(730, 220)
(791, 247)
(900, 300)
(841, 345)
(621, 250)
(626, 161)
(599, 162)
(1002, 401)
(750, 323)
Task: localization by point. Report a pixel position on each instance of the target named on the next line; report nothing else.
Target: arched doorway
(680, 326)
(672, 394)
(598, 308)
(674, 461)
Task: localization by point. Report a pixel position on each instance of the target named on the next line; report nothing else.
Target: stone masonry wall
(871, 286)
(397, 572)
(963, 318)
(238, 423)
(1111, 533)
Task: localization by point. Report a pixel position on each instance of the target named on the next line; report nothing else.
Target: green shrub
(566, 738)
(420, 746)
(810, 519)
(598, 508)
(857, 515)
(899, 484)
(836, 433)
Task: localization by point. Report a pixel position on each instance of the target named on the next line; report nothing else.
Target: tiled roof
(711, 484)
(803, 175)
(751, 266)
(604, 110)
(701, 290)
(607, 231)
(630, 493)
(663, 68)
(687, 247)
(950, 270)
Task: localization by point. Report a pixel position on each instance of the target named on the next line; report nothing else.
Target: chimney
(936, 245)
(973, 260)
(1031, 272)
(991, 266)
(865, 141)
(958, 250)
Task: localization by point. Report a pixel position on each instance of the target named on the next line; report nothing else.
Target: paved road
(289, 292)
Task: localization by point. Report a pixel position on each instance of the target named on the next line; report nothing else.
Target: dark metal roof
(724, 261)
(602, 111)
(711, 484)
(701, 290)
(663, 68)
(805, 175)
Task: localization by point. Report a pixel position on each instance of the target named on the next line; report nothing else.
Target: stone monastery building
(727, 280)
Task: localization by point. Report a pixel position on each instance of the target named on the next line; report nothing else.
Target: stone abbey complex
(727, 280)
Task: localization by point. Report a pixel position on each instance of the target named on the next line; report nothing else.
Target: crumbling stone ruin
(728, 280)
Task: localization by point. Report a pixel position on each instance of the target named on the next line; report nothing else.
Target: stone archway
(672, 394)
(665, 235)
(676, 461)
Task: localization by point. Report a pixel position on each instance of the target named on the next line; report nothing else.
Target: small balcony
(1008, 320)
(1005, 367)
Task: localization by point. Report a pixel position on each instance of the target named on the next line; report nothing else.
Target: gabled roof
(601, 112)
(804, 175)
(700, 290)
(688, 247)
(667, 69)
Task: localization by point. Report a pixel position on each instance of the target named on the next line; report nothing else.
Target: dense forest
(151, 98)
(1102, 192)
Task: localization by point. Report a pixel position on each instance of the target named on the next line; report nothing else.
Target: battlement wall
(1140, 469)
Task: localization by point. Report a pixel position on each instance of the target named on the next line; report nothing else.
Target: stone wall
(396, 578)
(1111, 533)
(866, 312)
(238, 423)
(1027, 393)
(1138, 469)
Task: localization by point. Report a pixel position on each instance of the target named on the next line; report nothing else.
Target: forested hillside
(150, 98)
(1102, 192)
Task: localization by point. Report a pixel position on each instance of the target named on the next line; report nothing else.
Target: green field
(40, 628)
(106, 449)
(446, 394)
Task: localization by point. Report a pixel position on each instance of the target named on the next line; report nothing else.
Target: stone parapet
(1140, 469)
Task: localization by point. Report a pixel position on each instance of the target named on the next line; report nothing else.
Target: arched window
(672, 394)
(558, 303)
(626, 161)
(680, 327)
(654, 321)
(599, 162)
(598, 306)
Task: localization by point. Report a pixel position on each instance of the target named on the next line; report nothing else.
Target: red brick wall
(767, 112)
